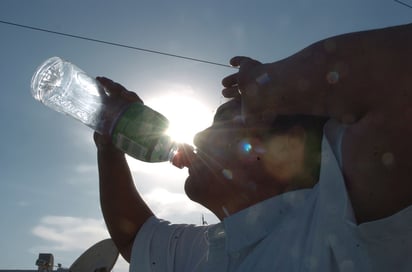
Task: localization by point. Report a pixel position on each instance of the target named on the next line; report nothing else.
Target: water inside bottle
(65, 88)
(46, 79)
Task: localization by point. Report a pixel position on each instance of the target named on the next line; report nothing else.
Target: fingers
(101, 141)
(232, 82)
(246, 83)
(240, 61)
(231, 92)
(112, 87)
(236, 62)
(231, 86)
(131, 96)
(116, 89)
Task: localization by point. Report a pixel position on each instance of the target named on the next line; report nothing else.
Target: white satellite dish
(100, 257)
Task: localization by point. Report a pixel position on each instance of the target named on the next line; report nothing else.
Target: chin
(192, 189)
(200, 189)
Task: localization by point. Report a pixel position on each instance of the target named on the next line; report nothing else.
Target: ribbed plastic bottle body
(140, 132)
(65, 88)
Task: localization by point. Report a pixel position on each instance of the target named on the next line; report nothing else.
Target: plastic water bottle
(136, 129)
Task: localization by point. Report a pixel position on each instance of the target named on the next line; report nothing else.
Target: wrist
(109, 148)
(110, 155)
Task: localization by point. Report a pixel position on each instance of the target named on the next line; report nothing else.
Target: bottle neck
(182, 155)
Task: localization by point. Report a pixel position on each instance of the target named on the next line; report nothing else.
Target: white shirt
(303, 230)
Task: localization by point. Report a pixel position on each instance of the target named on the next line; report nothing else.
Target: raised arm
(123, 209)
(344, 76)
(363, 80)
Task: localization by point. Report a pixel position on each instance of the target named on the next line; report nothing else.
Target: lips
(184, 156)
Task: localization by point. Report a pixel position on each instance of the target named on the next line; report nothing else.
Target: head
(238, 165)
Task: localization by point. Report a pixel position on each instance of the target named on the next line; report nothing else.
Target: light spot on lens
(332, 77)
(245, 146)
(227, 174)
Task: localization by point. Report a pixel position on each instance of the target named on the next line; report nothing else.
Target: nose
(211, 141)
(200, 137)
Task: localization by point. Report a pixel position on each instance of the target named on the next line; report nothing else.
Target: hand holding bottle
(114, 91)
(184, 154)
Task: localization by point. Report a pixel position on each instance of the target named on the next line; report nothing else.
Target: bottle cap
(184, 156)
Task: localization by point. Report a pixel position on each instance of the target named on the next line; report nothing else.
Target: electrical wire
(114, 44)
(403, 3)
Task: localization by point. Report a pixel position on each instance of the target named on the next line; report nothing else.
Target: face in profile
(238, 166)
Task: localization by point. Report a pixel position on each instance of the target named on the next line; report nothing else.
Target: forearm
(123, 209)
(345, 76)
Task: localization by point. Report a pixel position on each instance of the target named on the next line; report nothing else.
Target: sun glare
(187, 115)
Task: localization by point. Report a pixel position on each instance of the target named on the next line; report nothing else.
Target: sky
(49, 199)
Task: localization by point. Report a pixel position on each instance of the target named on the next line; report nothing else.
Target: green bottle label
(140, 132)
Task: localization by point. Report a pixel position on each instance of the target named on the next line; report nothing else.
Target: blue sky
(48, 173)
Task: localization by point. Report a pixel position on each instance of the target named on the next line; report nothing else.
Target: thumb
(102, 141)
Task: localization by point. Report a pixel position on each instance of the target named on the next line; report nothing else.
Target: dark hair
(307, 122)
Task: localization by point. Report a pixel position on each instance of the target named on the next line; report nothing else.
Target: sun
(187, 114)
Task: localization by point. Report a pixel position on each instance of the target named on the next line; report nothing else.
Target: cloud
(151, 175)
(86, 168)
(150, 168)
(82, 174)
(168, 205)
(71, 236)
(64, 233)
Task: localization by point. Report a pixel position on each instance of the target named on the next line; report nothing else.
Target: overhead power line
(403, 3)
(114, 44)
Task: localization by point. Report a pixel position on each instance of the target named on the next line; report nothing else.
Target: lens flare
(227, 174)
(245, 146)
